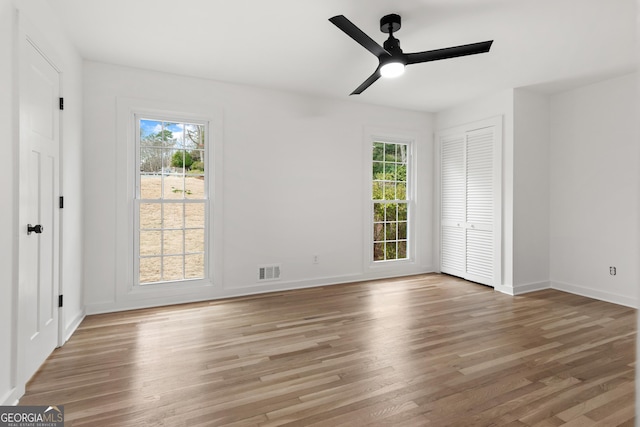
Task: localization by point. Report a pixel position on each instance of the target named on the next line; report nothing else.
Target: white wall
(499, 104)
(594, 190)
(571, 185)
(531, 191)
(48, 34)
(294, 184)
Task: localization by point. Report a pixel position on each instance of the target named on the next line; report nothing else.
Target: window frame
(137, 200)
(390, 138)
(123, 160)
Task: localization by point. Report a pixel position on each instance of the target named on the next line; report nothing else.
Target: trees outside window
(390, 201)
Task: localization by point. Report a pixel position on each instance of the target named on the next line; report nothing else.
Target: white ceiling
(291, 45)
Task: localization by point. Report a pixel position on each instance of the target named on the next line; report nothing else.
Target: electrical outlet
(316, 259)
(612, 271)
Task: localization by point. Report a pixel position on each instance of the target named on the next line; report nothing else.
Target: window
(390, 201)
(171, 200)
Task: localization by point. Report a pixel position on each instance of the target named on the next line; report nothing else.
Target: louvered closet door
(453, 205)
(467, 205)
(479, 201)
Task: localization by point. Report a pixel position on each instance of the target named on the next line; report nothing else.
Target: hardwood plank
(414, 351)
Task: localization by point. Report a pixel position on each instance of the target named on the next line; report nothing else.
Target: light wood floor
(426, 350)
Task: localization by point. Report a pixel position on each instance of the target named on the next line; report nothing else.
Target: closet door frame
(496, 123)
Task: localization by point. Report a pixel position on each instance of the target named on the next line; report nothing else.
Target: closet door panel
(452, 251)
(453, 180)
(479, 177)
(453, 206)
(479, 191)
(479, 256)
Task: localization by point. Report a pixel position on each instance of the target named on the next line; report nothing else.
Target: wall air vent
(268, 272)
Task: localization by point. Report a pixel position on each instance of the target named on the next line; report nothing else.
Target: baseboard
(531, 287)
(505, 289)
(522, 289)
(12, 397)
(241, 291)
(73, 325)
(596, 294)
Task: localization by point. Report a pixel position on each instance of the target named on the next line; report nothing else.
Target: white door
(453, 205)
(480, 206)
(39, 226)
(469, 204)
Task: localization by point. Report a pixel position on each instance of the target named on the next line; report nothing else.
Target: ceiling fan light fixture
(392, 69)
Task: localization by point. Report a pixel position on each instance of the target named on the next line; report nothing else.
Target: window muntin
(171, 201)
(390, 201)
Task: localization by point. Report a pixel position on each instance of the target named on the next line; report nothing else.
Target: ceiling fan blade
(357, 34)
(372, 78)
(449, 52)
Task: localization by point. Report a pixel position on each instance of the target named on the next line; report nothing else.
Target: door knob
(34, 229)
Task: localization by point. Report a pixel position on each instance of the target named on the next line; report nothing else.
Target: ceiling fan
(391, 59)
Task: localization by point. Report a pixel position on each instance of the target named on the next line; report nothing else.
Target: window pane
(151, 160)
(191, 136)
(194, 187)
(166, 161)
(194, 241)
(172, 134)
(150, 215)
(402, 249)
(150, 187)
(402, 173)
(378, 211)
(198, 165)
(402, 153)
(150, 242)
(390, 152)
(378, 169)
(392, 209)
(401, 191)
(194, 215)
(378, 251)
(378, 232)
(377, 190)
(173, 242)
(148, 128)
(172, 268)
(173, 186)
(391, 231)
(180, 161)
(194, 266)
(402, 231)
(378, 151)
(173, 215)
(390, 171)
(390, 250)
(402, 211)
(150, 270)
(389, 191)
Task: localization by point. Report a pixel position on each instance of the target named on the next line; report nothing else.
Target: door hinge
(62, 103)
(61, 202)
(60, 298)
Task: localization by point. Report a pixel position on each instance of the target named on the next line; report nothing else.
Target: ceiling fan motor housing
(390, 23)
